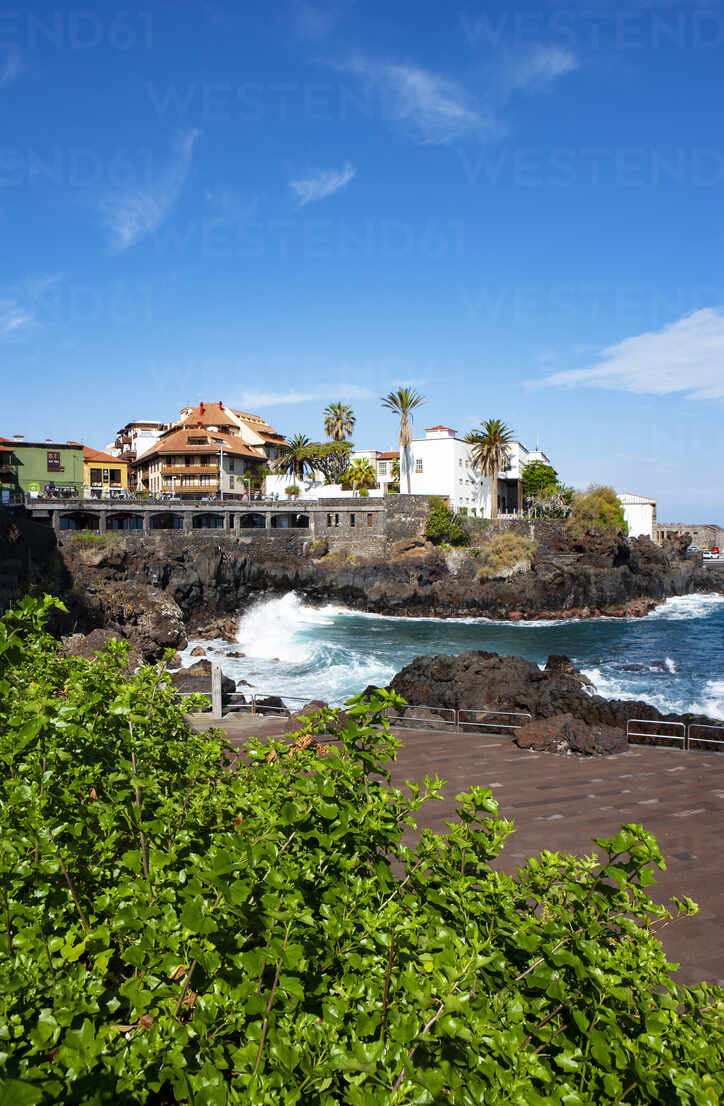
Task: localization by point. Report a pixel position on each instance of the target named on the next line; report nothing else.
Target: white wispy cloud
(293, 397)
(10, 65)
(537, 68)
(132, 215)
(13, 316)
(686, 356)
(323, 183)
(435, 109)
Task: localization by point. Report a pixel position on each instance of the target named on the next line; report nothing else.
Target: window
(382, 468)
(329, 520)
(336, 520)
(95, 476)
(418, 464)
(116, 477)
(370, 519)
(106, 476)
(352, 520)
(54, 461)
(231, 464)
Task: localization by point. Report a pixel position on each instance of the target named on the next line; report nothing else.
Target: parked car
(711, 555)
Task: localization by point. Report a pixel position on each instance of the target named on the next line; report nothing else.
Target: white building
(136, 438)
(640, 514)
(315, 488)
(441, 464)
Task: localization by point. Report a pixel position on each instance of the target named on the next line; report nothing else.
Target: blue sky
(517, 209)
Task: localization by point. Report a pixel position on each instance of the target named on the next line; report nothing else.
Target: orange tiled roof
(181, 440)
(97, 455)
(389, 455)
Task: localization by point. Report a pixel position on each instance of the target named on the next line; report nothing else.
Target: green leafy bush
(596, 511)
(443, 526)
(91, 540)
(504, 552)
(174, 929)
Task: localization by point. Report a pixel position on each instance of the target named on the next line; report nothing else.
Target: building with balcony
(442, 464)
(253, 430)
(104, 476)
(46, 468)
(196, 462)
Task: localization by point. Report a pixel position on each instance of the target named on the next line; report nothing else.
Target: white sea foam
(712, 701)
(270, 628)
(293, 648)
(698, 605)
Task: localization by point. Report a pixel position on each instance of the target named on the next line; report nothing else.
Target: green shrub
(175, 932)
(291, 490)
(90, 539)
(596, 511)
(443, 526)
(503, 552)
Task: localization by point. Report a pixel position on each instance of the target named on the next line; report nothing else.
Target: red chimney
(201, 407)
(221, 406)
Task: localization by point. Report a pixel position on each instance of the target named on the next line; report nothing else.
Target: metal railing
(685, 736)
(444, 716)
(490, 725)
(706, 741)
(678, 733)
(449, 720)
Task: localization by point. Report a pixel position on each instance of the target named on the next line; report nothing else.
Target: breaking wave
(673, 658)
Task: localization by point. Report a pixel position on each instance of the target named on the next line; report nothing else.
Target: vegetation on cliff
(177, 933)
(504, 553)
(444, 526)
(595, 511)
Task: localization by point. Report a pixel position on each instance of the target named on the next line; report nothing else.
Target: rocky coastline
(200, 586)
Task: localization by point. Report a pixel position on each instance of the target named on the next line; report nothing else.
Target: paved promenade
(561, 803)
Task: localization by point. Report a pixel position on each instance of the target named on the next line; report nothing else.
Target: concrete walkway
(561, 803)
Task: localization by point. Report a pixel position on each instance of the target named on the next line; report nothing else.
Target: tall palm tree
(339, 420)
(490, 452)
(403, 402)
(293, 460)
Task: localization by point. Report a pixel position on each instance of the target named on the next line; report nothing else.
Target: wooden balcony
(188, 470)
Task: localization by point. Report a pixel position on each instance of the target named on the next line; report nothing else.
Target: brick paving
(561, 803)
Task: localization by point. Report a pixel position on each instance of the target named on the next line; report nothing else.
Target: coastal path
(561, 803)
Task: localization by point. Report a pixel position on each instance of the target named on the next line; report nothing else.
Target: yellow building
(104, 476)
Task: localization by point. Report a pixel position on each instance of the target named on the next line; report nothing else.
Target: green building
(42, 468)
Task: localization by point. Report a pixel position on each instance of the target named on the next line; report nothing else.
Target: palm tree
(403, 402)
(293, 460)
(339, 420)
(490, 452)
(360, 474)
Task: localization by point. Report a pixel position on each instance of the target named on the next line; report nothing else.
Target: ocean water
(673, 658)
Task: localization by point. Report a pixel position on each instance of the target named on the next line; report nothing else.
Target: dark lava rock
(271, 702)
(88, 645)
(198, 678)
(479, 681)
(565, 734)
(299, 717)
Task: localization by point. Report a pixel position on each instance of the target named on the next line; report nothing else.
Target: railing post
(216, 704)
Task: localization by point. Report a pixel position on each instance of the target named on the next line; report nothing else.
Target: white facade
(275, 485)
(137, 438)
(441, 464)
(640, 514)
